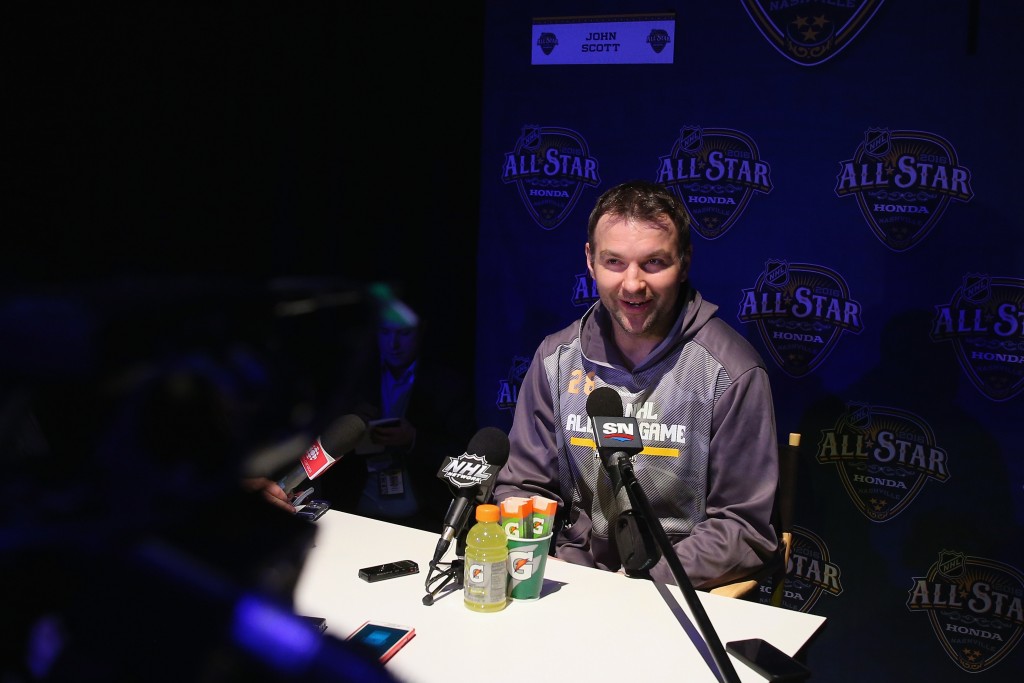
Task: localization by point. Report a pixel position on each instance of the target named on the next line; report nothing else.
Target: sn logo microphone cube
(617, 434)
(618, 431)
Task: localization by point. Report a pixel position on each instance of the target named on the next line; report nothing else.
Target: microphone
(614, 435)
(473, 474)
(341, 436)
(617, 439)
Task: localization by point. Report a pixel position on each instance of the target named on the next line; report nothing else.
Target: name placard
(607, 39)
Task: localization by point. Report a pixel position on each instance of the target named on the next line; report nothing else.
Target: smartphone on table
(389, 570)
(381, 639)
(313, 509)
(767, 660)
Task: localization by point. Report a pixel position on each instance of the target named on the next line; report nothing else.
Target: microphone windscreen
(604, 402)
(492, 443)
(342, 435)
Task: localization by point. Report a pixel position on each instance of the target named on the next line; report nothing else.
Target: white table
(588, 624)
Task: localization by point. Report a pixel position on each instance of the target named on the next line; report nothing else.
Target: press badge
(389, 474)
(390, 482)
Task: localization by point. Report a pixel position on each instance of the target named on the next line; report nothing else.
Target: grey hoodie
(710, 461)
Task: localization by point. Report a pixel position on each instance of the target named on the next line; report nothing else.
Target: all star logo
(714, 172)
(810, 32)
(903, 181)
(508, 389)
(974, 606)
(550, 166)
(547, 42)
(984, 321)
(885, 457)
(809, 574)
(658, 39)
(801, 310)
(584, 290)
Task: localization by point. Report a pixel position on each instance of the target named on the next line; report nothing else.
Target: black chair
(782, 517)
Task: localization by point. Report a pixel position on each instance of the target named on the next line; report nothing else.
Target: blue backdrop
(849, 170)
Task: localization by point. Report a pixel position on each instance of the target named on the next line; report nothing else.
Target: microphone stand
(450, 574)
(621, 463)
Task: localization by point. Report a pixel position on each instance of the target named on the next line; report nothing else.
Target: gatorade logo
(520, 564)
(476, 573)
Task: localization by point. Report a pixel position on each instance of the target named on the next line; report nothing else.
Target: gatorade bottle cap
(487, 513)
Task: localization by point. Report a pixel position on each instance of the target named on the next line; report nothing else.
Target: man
(698, 389)
(417, 412)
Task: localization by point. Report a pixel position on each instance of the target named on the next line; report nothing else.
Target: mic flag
(477, 468)
(316, 460)
(472, 475)
(617, 439)
(341, 436)
(612, 432)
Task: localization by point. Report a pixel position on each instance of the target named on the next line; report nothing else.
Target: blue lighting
(275, 635)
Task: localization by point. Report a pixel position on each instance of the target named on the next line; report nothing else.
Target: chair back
(782, 520)
(785, 504)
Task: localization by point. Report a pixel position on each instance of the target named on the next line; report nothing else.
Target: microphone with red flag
(341, 436)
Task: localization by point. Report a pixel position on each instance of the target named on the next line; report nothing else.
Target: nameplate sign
(607, 39)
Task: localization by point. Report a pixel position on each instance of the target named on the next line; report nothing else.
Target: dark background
(176, 170)
(173, 173)
(245, 142)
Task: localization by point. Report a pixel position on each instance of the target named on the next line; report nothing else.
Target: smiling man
(698, 390)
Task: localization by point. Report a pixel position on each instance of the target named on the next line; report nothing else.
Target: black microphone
(473, 474)
(340, 437)
(617, 440)
(613, 433)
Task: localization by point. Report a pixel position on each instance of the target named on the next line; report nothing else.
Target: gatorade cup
(527, 558)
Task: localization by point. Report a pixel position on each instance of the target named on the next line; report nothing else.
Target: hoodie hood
(597, 336)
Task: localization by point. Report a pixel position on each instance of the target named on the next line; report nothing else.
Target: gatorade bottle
(486, 577)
